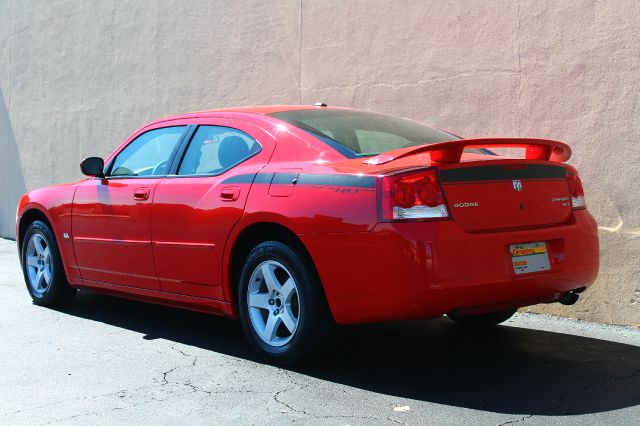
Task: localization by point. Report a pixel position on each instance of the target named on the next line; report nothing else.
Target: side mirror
(92, 166)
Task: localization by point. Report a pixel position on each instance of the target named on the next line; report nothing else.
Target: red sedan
(295, 218)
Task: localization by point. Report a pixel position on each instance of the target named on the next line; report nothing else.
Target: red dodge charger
(296, 218)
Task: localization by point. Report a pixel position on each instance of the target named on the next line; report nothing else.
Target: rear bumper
(417, 270)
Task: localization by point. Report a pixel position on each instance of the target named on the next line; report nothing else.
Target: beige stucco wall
(76, 77)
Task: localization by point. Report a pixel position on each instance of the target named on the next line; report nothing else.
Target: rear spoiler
(451, 151)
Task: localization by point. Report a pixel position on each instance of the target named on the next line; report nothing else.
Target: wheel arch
(246, 239)
(28, 216)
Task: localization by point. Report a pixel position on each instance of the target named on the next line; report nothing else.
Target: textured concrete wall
(77, 77)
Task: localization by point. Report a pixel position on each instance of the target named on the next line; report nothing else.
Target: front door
(195, 209)
(111, 217)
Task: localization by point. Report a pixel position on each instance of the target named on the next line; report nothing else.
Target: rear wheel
(42, 267)
(482, 320)
(281, 304)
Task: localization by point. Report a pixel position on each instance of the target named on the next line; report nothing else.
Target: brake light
(411, 196)
(575, 190)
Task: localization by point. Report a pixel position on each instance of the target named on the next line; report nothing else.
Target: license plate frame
(528, 258)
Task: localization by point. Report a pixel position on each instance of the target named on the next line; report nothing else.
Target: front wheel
(281, 304)
(482, 320)
(42, 267)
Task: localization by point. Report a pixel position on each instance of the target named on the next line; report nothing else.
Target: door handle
(230, 193)
(141, 194)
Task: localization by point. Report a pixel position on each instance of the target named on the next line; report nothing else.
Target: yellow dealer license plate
(530, 257)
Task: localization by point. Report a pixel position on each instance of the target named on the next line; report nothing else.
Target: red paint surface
(175, 246)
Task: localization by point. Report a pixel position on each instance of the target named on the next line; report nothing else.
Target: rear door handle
(230, 193)
(141, 194)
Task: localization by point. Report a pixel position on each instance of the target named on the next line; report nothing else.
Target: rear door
(111, 217)
(198, 204)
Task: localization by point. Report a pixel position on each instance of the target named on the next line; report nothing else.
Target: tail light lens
(411, 196)
(575, 190)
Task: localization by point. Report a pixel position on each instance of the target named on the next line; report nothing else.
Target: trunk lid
(512, 194)
(496, 193)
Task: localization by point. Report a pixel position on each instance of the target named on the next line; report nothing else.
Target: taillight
(412, 196)
(575, 190)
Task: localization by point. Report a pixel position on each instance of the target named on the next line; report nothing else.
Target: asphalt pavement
(109, 361)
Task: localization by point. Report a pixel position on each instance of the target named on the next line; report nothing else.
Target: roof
(262, 109)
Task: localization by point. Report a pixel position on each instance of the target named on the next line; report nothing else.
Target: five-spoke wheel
(273, 303)
(281, 304)
(39, 263)
(42, 266)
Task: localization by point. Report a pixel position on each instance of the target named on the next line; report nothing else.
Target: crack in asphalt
(84, 398)
(522, 419)
(301, 386)
(563, 399)
(189, 384)
(165, 381)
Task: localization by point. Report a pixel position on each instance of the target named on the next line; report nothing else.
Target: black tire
(482, 320)
(314, 331)
(58, 291)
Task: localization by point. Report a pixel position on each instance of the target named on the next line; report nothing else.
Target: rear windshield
(360, 133)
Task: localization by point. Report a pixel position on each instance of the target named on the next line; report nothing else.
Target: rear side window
(215, 149)
(149, 154)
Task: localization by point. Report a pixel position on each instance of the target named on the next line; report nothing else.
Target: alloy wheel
(38, 260)
(273, 302)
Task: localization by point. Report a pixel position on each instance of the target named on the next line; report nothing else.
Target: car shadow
(505, 370)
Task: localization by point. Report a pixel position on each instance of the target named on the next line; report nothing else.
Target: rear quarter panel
(321, 206)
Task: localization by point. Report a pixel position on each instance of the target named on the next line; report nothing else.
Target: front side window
(149, 154)
(360, 133)
(215, 149)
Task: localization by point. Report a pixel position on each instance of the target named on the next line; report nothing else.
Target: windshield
(359, 133)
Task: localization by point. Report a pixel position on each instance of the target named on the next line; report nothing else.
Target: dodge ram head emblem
(517, 185)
